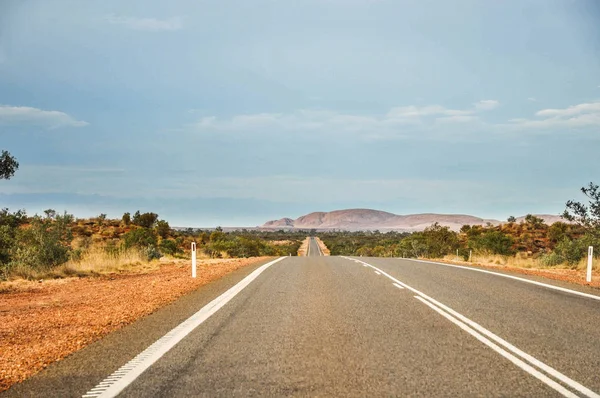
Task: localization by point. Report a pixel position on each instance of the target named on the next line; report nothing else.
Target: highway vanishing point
(348, 327)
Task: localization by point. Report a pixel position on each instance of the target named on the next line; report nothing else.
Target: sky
(235, 112)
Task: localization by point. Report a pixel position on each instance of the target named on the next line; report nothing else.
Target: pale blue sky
(234, 112)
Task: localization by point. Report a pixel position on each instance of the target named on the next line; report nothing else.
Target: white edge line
(548, 369)
(547, 285)
(516, 361)
(175, 336)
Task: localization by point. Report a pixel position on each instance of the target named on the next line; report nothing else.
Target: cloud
(418, 111)
(532, 99)
(593, 107)
(28, 115)
(374, 126)
(149, 24)
(486, 105)
(457, 119)
(575, 116)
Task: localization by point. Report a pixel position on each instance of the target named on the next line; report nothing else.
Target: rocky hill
(366, 219)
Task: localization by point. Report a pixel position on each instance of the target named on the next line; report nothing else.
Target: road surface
(335, 326)
(313, 248)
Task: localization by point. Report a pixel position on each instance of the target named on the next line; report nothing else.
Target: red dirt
(41, 323)
(567, 275)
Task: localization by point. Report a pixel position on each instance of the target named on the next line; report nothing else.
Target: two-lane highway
(313, 248)
(336, 326)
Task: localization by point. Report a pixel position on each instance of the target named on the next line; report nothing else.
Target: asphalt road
(333, 326)
(313, 248)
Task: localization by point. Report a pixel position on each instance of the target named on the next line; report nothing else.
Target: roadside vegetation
(530, 243)
(59, 245)
(55, 245)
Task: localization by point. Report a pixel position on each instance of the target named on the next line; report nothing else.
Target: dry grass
(518, 261)
(324, 249)
(94, 261)
(303, 247)
(97, 260)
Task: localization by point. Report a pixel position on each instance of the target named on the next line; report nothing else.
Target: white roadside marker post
(470, 255)
(193, 259)
(588, 277)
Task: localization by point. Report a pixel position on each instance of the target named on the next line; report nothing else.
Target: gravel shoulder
(42, 323)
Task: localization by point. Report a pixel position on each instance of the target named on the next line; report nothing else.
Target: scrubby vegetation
(530, 242)
(56, 245)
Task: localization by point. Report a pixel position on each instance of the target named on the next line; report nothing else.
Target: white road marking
(398, 286)
(129, 372)
(533, 361)
(527, 368)
(547, 285)
(378, 273)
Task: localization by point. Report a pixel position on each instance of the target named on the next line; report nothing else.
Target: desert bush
(139, 237)
(150, 253)
(169, 247)
(571, 250)
(145, 220)
(162, 228)
(494, 242)
(44, 244)
(551, 259)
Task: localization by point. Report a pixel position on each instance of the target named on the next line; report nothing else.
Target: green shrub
(139, 237)
(495, 242)
(45, 244)
(151, 253)
(552, 259)
(571, 250)
(169, 246)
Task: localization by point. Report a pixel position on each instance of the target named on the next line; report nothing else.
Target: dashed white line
(474, 328)
(378, 273)
(398, 286)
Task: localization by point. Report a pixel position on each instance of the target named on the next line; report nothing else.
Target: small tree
(8, 165)
(533, 221)
(145, 220)
(586, 216)
(126, 218)
(439, 240)
(511, 219)
(162, 228)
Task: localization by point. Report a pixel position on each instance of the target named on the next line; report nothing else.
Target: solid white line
(548, 369)
(398, 286)
(527, 368)
(547, 285)
(162, 345)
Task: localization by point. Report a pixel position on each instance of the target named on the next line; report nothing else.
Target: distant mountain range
(366, 219)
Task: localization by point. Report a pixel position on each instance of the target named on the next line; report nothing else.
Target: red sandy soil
(41, 323)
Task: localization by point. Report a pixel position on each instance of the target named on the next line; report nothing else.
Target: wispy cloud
(575, 116)
(39, 117)
(486, 105)
(391, 123)
(457, 119)
(418, 111)
(532, 99)
(149, 24)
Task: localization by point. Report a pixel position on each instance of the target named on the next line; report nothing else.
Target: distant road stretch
(313, 248)
(338, 326)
